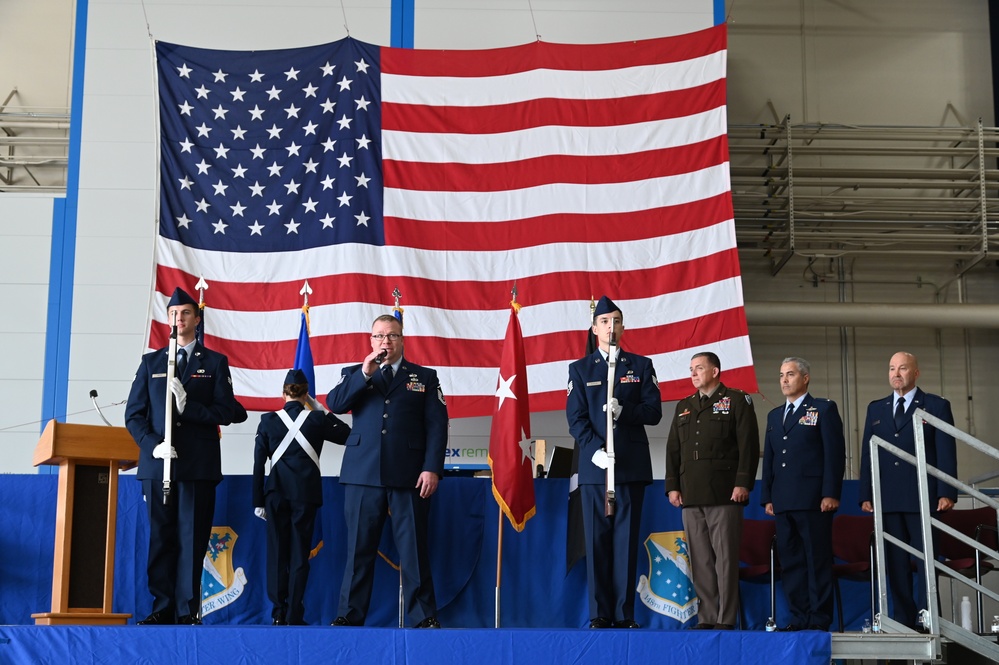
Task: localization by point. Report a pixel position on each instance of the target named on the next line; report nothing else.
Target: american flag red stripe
(539, 170)
(559, 228)
(537, 113)
(572, 170)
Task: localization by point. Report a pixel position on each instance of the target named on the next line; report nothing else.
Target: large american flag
(570, 171)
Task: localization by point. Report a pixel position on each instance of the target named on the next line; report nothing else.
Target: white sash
(294, 434)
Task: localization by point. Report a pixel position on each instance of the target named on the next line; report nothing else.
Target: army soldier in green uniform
(711, 458)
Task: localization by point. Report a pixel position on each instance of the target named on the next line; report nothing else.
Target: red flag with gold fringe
(510, 437)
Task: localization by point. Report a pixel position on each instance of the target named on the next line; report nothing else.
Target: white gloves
(163, 451)
(314, 404)
(260, 512)
(615, 408)
(177, 388)
(601, 459)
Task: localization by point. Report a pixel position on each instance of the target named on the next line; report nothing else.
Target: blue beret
(605, 306)
(295, 376)
(181, 297)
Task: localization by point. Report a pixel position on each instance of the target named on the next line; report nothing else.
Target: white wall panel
(479, 24)
(113, 166)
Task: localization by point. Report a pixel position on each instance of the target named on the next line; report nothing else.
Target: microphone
(380, 358)
(93, 398)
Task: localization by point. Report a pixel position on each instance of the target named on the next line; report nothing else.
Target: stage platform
(239, 645)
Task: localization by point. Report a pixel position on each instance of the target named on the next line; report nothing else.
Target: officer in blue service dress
(292, 439)
(180, 530)
(890, 418)
(804, 457)
(612, 541)
(712, 454)
(392, 462)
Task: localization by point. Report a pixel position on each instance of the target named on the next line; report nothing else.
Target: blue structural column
(62, 260)
(402, 23)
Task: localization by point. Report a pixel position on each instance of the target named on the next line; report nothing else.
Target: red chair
(853, 556)
(978, 524)
(758, 559)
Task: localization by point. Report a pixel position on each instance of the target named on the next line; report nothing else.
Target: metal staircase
(891, 639)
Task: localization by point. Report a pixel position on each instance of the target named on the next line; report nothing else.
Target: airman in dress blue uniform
(392, 462)
(804, 457)
(180, 530)
(612, 541)
(890, 418)
(292, 439)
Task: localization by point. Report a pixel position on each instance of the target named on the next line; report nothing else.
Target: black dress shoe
(704, 626)
(601, 622)
(626, 623)
(429, 622)
(815, 626)
(724, 626)
(341, 621)
(279, 622)
(789, 628)
(188, 620)
(161, 618)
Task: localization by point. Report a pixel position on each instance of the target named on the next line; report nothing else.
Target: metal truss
(826, 191)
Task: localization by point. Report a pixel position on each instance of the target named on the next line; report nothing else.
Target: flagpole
(610, 497)
(402, 599)
(499, 566)
(168, 410)
(509, 448)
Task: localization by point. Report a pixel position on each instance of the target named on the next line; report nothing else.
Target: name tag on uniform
(593, 383)
(159, 376)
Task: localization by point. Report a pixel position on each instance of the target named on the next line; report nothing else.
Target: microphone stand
(609, 497)
(93, 398)
(168, 411)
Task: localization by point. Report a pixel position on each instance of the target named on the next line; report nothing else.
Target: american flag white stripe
(542, 83)
(551, 199)
(541, 141)
(507, 265)
(548, 378)
(544, 319)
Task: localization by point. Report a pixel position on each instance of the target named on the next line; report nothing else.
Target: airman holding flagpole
(179, 530)
(622, 402)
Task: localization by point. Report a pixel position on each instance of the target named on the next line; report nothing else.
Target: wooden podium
(89, 458)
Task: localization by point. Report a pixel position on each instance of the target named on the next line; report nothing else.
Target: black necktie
(900, 413)
(181, 362)
(387, 374)
(787, 415)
